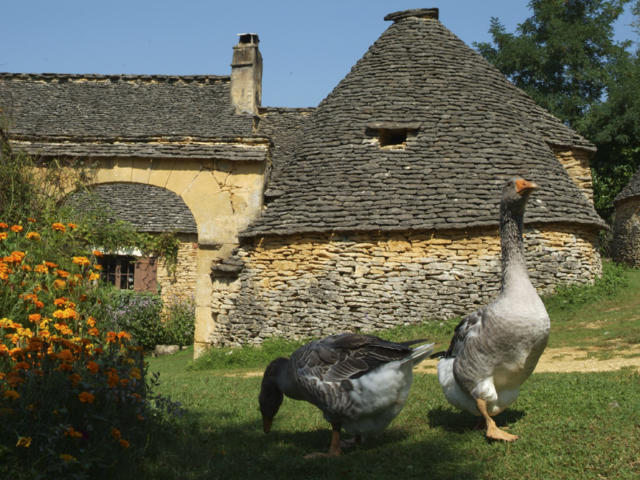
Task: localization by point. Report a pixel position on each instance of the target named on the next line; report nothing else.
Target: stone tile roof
(149, 208)
(631, 189)
(120, 106)
(284, 127)
(468, 128)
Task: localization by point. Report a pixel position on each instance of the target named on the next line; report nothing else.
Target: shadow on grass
(195, 448)
(459, 422)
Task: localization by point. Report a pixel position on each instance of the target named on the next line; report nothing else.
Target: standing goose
(360, 382)
(496, 348)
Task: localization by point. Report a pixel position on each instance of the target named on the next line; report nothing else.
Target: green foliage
(178, 321)
(613, 279)
(135, 312)
(565, 57)
(149, 321)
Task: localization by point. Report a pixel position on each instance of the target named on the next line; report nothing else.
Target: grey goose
(360, 382)
(495, 349)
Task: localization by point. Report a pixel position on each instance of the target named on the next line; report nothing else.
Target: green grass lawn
(571, 426)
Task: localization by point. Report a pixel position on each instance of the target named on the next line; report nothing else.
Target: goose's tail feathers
(421, 352)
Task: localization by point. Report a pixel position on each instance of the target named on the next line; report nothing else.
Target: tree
(564, 56)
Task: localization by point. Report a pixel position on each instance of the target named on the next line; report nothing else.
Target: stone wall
(315, 285)
(576, 163)
(182, 281)
(626, 232)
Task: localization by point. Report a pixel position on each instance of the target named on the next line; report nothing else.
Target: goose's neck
(514, 269)
(286, 382)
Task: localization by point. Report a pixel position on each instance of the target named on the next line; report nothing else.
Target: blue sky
(307, 46)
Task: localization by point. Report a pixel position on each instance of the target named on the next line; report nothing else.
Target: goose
(495, 349)
(360, 382)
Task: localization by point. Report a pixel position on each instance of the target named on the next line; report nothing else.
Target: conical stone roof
(468, 129)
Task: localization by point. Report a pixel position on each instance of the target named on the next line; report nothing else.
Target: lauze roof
(467, 130)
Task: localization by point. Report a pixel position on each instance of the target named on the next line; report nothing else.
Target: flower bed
(73, 397)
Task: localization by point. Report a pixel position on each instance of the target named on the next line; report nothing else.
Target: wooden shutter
(145, 275)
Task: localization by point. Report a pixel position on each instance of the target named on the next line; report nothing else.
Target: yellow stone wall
(315, 285)
(576, 163)
(179, 281)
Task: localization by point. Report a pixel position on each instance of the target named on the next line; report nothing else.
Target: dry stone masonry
(314, 285)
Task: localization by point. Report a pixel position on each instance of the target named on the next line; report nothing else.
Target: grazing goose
(496, 348)
(360, 382)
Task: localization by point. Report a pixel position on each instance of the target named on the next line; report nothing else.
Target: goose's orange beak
(523, 185)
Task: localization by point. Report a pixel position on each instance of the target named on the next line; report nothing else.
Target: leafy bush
(149, 321)
(136, 312)
(179, 321)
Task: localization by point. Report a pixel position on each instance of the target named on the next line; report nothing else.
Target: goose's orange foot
(494, 433)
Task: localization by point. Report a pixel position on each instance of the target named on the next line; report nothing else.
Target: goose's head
(515, 193)
(271, 395)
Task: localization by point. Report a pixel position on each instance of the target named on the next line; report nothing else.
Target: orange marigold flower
(58, 302)
(97, 267)
(112, 378)
(92, 366)
(73, 433)
(3, 235)
(31, 220)
(62, 273)
(35, 317)
(16, 228)
(59, 284)
(111, 337)
(75, 379)
(115, 433)
(72, 226)
(81, 261)
(11, 394)
(93, 276)
(22, 366)
(26, 268)
(93, 331)
(24, 442)
(65, 355)
(97, 253)
(41, 269)
(66, 313)
(86, 397)
(33, 236)
(51, 264)
(38, 304)
(123, 443)
(58, 227)
(3, 225)
(91, 322)
(125, 335)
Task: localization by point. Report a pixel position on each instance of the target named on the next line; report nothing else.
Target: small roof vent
(417, 12)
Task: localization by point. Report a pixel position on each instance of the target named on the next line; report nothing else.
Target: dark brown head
(271, 396)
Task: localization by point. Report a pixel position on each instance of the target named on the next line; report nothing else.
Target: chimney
(246, 74)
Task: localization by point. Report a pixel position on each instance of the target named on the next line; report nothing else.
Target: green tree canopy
(565, 57)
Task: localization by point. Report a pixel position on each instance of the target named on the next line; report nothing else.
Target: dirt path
(561, 360)
(570, 360)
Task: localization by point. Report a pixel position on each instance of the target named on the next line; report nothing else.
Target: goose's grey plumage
(360, 382)
(495, 349)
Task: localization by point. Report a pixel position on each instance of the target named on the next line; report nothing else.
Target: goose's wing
(469, 326)
(346, 356)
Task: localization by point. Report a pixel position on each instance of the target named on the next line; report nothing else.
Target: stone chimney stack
(246, 74)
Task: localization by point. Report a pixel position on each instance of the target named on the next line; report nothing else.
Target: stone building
(379, 207)
(626, 224)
